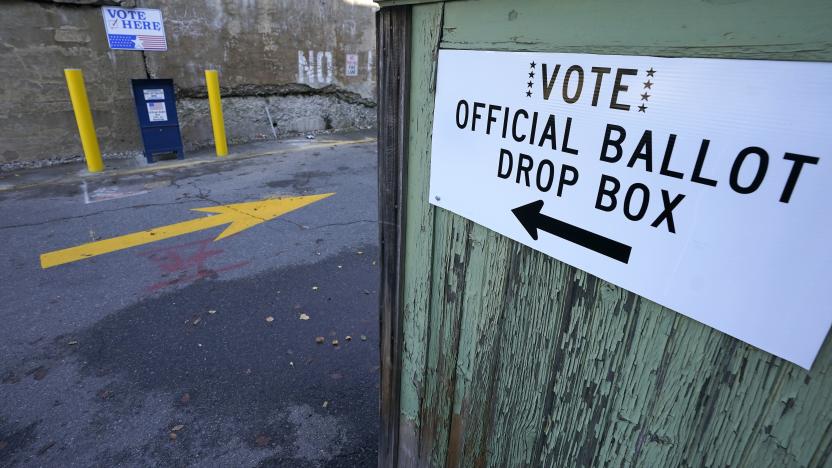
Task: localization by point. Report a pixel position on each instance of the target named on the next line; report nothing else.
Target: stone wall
(285, 55)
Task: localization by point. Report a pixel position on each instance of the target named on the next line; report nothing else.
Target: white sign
(352, 65)
(154, 94)
(156, 111)
(700, 184)
(134, 28)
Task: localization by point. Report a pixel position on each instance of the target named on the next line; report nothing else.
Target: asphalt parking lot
(256, 349)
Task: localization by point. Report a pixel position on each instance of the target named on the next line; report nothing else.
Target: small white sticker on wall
(352, 65)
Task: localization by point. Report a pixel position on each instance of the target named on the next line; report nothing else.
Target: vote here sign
(700, 184)
(134, 28)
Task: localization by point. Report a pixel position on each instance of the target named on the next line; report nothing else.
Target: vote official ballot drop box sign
(699, 184)
(156, 110)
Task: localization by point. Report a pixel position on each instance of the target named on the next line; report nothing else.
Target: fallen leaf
(177, 428)
(348, 338)
(334, 342)
(39, 373)
(319, 339)
(105, 394)
(363, 337)
(186, 398)
(270, 319)
(304, 317)
(262, 440)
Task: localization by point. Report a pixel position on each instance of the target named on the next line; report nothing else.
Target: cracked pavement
(186, 351)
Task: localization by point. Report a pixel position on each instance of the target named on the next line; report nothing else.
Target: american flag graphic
(137, 42)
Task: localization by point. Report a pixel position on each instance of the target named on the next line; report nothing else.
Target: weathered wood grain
(512, 358)
(418, 227)
(483, 308)
(393, 38)
(450, 257)
(758, 29)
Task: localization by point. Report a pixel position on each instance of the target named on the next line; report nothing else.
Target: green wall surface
(512, 358)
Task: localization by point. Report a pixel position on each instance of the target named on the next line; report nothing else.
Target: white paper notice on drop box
(156, 111)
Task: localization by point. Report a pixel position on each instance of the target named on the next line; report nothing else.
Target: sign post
(212, 82)
(83, 117)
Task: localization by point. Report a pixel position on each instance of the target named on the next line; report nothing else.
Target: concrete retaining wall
(287, 55)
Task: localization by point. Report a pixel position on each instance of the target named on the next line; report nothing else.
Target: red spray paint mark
(186, 263)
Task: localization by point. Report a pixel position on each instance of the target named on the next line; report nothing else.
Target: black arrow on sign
(532, 219)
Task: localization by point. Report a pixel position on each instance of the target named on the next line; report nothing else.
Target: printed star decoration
(530, 84)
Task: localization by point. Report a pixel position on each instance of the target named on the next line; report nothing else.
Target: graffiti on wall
(317, 67)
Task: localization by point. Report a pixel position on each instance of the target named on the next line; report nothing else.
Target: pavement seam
(67, 218)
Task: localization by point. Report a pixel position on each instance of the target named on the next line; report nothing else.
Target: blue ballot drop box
(156, 110)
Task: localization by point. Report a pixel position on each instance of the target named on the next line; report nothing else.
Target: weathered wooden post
(538, 203)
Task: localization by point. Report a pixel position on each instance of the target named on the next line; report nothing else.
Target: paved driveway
(189, 351)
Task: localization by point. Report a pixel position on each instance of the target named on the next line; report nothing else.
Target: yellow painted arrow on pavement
(239, 216)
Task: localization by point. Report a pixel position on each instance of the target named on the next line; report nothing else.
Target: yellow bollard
(83, 116)
(213, 84)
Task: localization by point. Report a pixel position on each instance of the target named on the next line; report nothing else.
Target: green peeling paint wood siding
(392, 3)
(748, 29)
(512, 358)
